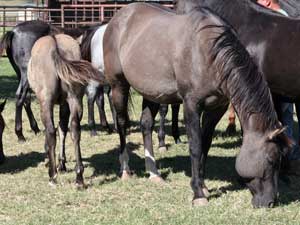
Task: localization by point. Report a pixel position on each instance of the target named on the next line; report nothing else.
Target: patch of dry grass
(26, 197)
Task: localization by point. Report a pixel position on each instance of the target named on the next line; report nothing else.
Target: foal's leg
(50, 142)
(150, 110)
(75, 106)
(100, 104)
(192, 123)
(175, 129)
(64, 114)
(120, 94)
(163, 111)
(209, 121)
(32, 121)
(91, 92)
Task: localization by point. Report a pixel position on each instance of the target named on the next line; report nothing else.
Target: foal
(195, 59)
(58, 76)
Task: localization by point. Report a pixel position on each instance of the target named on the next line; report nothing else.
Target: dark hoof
(177, 141)
(46, 162)
(108, 129)
(21, 139)
(36, 131)
(80, 185)
(200, 202)
(93, 133)
(162, 149)
(62, 168)
(230, 130)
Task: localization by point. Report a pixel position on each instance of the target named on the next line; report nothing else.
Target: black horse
(18, 44)
(195, 59)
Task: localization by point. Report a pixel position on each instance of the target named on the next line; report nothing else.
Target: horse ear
(272, 135)
(2, 105)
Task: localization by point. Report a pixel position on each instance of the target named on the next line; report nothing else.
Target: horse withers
(195, 59)
(57, 75)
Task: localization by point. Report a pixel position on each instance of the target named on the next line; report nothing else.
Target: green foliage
(26, 197)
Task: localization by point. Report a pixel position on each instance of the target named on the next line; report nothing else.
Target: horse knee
(146, 121)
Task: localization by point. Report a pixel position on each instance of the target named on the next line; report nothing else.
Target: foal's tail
(75, 72)
(6, 41)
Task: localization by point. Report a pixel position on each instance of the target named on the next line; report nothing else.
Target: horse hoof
(157, 179)
(93, 133)
(125, 175)
(80, 186)
(230, 130)
(162, 149)
(177, 141)
(52, 182)
(200, 202)
(21, 139)
(36, 131)
(205, 192)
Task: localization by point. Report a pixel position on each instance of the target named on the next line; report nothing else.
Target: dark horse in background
(273, 41)
(2, 126)
(195, 59)
(18, 44)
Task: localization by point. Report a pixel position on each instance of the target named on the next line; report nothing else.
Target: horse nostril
(271, 205)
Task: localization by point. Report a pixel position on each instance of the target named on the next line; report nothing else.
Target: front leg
(192, 123)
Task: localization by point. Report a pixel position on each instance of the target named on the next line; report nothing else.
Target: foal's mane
(247, 88)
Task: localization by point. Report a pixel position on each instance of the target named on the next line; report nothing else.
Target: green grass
(26, 197)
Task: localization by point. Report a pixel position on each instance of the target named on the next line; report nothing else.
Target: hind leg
(150, 110)
(120, 94)
(50, 141)
(32, 121)
(163, 111)
(175, 129)
(102, 114)
(209, 121)
(112, 108)
(75, 106)
(64, 115)
(2, 126)
(91, 92)
(23, 86)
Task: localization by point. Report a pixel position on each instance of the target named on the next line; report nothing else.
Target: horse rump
(78, 71)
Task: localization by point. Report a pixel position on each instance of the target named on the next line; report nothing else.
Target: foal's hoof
(205, 192)
(125, 175)
(200, 202)
(162, 149)
(230, 130)
(156, 179)
(36, 131)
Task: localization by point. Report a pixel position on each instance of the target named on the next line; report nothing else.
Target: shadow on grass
(16, 164)
(8, 86)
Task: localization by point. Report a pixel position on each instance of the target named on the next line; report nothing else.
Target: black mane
(247, 88)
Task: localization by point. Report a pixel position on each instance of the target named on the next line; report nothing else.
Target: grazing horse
(57, 75)
(262, 31)
(195, 59)
(2, 126)
(18, 44)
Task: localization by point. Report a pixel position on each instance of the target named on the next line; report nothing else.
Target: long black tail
(5, 42)
(85, 46)
(78, 71)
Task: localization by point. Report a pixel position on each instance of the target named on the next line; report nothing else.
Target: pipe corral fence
(66, 16)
